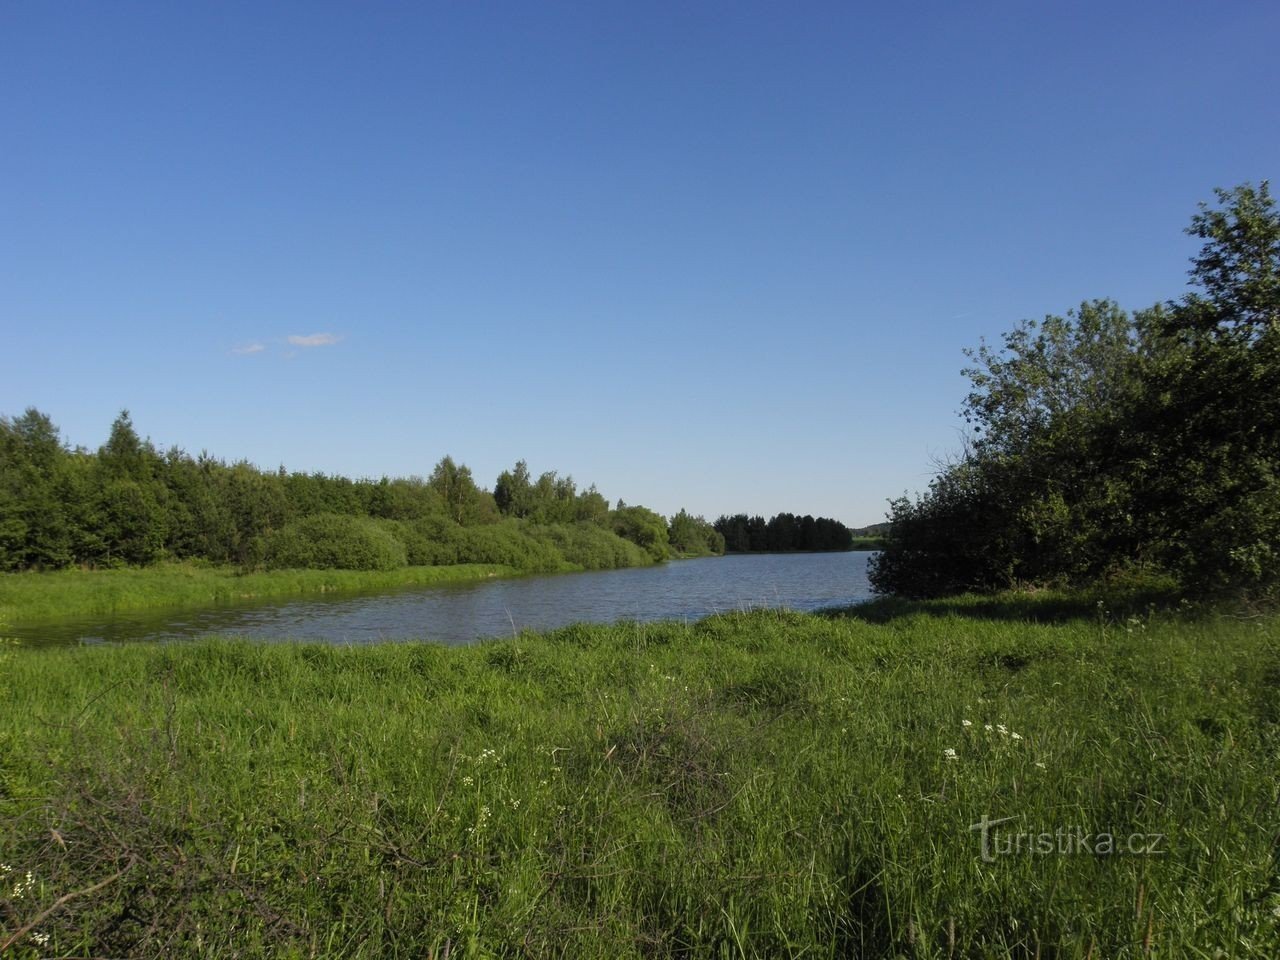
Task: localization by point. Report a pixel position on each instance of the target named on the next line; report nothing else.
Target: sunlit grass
(26, 597)
(765, 785)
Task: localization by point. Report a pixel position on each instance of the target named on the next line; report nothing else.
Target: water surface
(462, 613)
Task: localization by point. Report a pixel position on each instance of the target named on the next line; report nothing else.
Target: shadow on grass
(1106, 603)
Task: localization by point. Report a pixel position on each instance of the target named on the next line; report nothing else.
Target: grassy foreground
(26, 597)
(753, 785)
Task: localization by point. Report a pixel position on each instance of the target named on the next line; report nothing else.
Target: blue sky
(714, 256)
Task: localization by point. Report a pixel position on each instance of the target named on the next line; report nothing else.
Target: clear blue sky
(719, 256)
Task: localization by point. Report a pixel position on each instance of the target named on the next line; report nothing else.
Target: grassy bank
(753, 785)
(27, 597)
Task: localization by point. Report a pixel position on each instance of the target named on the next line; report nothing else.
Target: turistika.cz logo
(1061, 841)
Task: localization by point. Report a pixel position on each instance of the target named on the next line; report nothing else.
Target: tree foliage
(783, 533)
(1105, 440)
(464, 502)
(692, 536)
(128, 503)
(642, 527)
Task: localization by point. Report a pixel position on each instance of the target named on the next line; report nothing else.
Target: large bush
(512, 543)
(509, 543)
(330, 541)
(433, 541)
(591, 547)
(644, 528)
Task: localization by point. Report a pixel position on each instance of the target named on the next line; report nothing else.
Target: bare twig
(62, 902)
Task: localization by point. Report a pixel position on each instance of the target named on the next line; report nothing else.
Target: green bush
(523, 544)
(644, 528)
(330, 541)
(438, 541)
(429, 542)
(509, 543)
(590, 546)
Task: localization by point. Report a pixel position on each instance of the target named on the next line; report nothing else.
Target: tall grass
(26, 597)
(752, 785)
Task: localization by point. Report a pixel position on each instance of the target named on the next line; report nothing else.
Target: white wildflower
(987, 727)
(467, 781)
(40, 939)
(1016, 736)
(23, 887)
(1041, 765)
(950, 754)
(966, 724)
(1004, 731)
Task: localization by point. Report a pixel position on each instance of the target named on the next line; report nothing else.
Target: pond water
(462, 613)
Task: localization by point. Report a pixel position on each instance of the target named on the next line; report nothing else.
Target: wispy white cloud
(314, 339)
(249, 348)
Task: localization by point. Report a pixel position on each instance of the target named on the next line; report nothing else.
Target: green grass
(752, 785)
(29, 597)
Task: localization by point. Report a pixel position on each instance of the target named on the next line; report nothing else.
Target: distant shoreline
(860, 545)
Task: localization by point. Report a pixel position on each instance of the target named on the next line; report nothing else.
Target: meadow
(58, 594)
(764, 784)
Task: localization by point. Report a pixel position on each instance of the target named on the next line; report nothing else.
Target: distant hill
(874, 530)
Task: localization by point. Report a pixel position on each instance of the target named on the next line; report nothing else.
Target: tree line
(1107, 442)
(783, 533)
(128, 502)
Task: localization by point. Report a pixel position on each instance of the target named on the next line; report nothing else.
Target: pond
(463, 613)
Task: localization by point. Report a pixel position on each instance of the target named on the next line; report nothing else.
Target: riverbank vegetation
(1107, 441)
(129, 504)
(71, 594)
(866, 543)
(783, 533)
(753, 785)
(692, 536)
